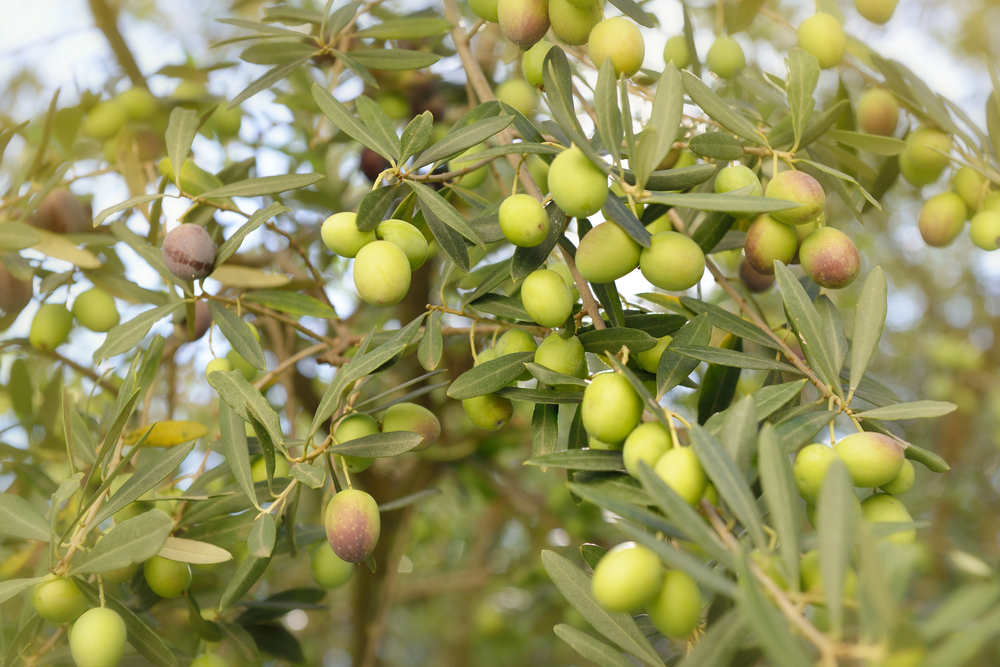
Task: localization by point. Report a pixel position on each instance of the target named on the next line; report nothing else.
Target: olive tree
(633, 262)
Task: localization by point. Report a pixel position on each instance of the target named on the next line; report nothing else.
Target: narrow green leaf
(379, 445)
(313, 476)
(238, 334)
(666, 113)
(730, 484)
(12, 587)
(275, 53)
(580, 459)
(836, 513)
(445, 212)
(394, 60)
(260, 544)
(915, 410)
(683, 516)
(461, 139)
(416, 136)
(249, 571)
(634, 12)
(613, 339)
(833, 325)
(126, 336)
(618, 212)
(721, 641)
(718, 109)
(962, 605)
(805, 320)
(233, 434)
(727, 321)
(592, 649)
(673, 179)
(378, 121)
(269, 78)
(501, 306)
(724, 357)
(547, 396)
(674, 368)
(782, 498)
(799, 430)
(870, 143)
(185, 550)
(544, 429)
(716, 146)
(803, 75)
(235, 390)
(489, 376)
(181, 128)
(678, 559)
(725, 202)
(291, 302)
(431, 346)
(265, 185)
(155, 469)
(406, 28)
(552, 378)
(609, 116)
(616, 626)
(18, 518)
(963, 646)
(557, 77)
(768, 625)
(869, 320)
(133, 541)
(348, 122)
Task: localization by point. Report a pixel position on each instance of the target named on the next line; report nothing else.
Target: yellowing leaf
(57, 247)
(244, 276)
(168, 433)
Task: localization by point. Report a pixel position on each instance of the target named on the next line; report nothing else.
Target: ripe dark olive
(189, 252)
(352, 525)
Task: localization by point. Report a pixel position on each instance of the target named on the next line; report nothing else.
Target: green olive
(627, 577)
(98, 638)
(167, 578)
(680, 469)
(611, 408)
(59, 600)
(328, 569)
(676, 609)
(647, 442)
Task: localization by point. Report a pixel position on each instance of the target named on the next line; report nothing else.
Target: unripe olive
(647, 442)
(607, 253)
(414, 418)
(95, 309)
(489, 412)
(725, 58)
(59, 600)
(328, 569)
(883, 508)
(352, 525)
(523, 22)
(238, 363)
(519, 94)
(878, 112)
(876, 11)
(677, 52)
(98, 639)
(737, 177)
(611, 408)
(992, 203)
(474, 178)
(188, 91)
(810, 468)
(942, 219)
(830, 258)
(139, 103)
(572, 23)
(104, 120)
(769, 240)
(673, 262)
(799, 187)
(562, 355)
(812, 577)
(218, 364)
(167, 578)
(754, 281)
(523, 221)
(341, 235)
(649, 360)
(822, 36)
(51, 326)
(928, 149)
(352, 427)
(627, 577)
(984, 230)
(903, 482)
(382, 274)
(915, 176)
(122, 574)
(661, 224)
(532, 63)
(226, 122)
(209, 660)
(61, 212)
(546, 297)
(538, 169)
(15, 293)
(680, 469)
(258, 471)
(872, 459)
(485, 9)
(676, 609)
(489, 354)
(189, 252)
(619, 39)
(579, 188)
(407, 237)
(969, 184)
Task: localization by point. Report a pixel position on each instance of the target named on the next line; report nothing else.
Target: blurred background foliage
(464, 570)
